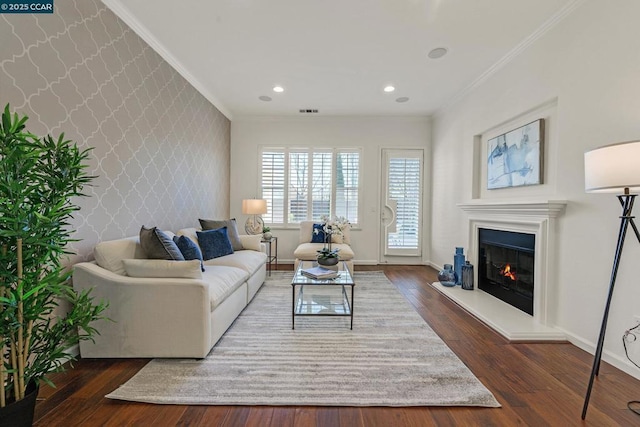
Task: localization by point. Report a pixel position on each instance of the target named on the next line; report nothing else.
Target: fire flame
(506, 272)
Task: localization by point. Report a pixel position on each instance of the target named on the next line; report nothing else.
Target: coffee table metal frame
(344, 280)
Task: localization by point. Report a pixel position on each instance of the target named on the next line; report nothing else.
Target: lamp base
(254, 225)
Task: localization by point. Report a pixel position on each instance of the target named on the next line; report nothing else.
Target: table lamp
(612, 169)
(255, 208)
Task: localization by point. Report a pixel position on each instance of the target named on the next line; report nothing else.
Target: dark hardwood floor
(537, 384)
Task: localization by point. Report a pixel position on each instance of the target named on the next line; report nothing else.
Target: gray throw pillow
(158, 245)
(232, 230)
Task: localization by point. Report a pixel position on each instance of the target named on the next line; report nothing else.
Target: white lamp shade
(254, 206)
(612, 168)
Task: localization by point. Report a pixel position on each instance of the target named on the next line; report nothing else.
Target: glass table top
(344, 275)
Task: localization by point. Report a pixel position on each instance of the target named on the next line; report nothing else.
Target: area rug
(390, 358)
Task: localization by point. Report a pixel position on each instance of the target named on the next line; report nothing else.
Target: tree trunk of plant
(20, 344)
(3, 397)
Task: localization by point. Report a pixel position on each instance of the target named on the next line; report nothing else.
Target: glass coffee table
(321, 297)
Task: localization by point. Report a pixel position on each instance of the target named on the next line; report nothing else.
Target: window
(303, 184)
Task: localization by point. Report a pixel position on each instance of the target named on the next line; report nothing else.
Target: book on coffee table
(319, 273)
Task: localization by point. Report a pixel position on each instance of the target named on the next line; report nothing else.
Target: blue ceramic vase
(458, 262)
(467, 276)
(447, 277)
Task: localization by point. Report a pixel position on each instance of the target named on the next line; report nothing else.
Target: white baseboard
(612, 359)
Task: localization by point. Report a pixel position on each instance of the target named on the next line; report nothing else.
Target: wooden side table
(272, 253)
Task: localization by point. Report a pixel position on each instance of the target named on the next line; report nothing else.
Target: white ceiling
(337, 55)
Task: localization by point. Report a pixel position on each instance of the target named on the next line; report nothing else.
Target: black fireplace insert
(506, 266)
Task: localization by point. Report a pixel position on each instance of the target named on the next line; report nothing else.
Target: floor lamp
(255, 208)
(612, 169)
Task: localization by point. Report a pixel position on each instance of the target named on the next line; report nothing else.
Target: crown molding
(512, 54)
(123, 13)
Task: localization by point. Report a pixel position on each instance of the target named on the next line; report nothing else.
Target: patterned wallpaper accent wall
(161, 150)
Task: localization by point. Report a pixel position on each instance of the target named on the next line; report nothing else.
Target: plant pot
(20, 413)
(328, 261)
(267, 235)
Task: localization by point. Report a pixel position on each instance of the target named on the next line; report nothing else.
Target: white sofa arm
(149, 317)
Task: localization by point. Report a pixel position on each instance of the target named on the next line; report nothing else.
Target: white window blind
(298, 186)
(321, 187)
(304, 184)
(347, 185)
(405, 188)
(273, 184)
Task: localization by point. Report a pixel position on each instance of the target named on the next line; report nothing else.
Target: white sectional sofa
(167, 316)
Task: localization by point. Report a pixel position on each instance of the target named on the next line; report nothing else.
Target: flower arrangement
(330, 226)
(334, 225)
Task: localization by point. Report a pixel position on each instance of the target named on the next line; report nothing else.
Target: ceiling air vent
(308, 111)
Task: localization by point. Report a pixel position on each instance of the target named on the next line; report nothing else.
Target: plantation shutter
(304, 184)
(347, 185)
(273, 184)
(404, 184)
(321, 184)
(298, 186)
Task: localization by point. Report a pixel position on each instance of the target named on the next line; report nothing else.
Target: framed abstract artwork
(515, 158)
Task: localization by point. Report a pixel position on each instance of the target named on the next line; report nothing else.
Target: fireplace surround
(536, 218)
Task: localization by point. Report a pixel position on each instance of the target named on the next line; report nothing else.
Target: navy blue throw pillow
(319, 235)
(214, 243)
(189, 249)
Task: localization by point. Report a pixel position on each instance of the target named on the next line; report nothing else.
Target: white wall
(370, 133)
(583, 74)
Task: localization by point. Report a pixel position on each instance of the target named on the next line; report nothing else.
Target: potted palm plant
(39, 177)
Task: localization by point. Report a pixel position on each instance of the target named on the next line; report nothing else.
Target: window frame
(286, 150)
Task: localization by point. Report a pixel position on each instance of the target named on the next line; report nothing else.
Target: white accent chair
(307, 251)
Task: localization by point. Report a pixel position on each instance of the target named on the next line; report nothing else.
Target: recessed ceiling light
(278, 89)
(402, 99)
(264, 98)
(438, 52)
(389, 89)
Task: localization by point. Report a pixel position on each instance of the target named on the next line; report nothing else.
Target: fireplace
(506, 265)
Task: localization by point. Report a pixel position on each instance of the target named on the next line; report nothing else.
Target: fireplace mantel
(549, 208)
(534, 217)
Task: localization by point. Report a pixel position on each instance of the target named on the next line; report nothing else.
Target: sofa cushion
(159, 245)
(337, 238)
(223, 281)
(252, 242)
(309, 251)
(232, 230)
(109, 254)
(190, 233)
(214, 243)
(163, 268)
(249, 261)
(189, 249)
